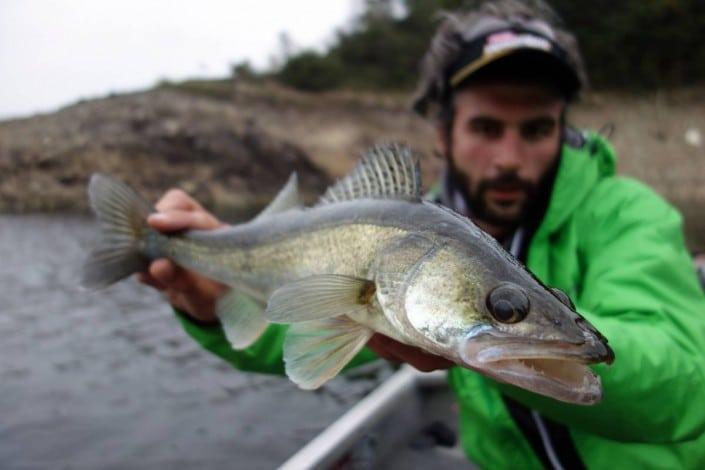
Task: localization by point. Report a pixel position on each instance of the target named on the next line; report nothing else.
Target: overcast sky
(53, 52)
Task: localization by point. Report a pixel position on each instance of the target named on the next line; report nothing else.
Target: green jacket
(617, 249)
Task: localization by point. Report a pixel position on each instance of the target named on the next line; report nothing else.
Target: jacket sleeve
(264, 356)
(640, 290)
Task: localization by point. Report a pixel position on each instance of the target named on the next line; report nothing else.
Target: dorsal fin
(287, 198)
(387, 171)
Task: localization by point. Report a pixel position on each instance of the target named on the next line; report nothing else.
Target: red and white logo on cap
(500, 42)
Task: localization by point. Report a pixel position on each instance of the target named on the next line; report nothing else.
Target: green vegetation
(639, 43)
(217, 89)
(310, 71)
(627, 44)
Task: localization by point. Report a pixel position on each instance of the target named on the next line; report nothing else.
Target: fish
(372, 256)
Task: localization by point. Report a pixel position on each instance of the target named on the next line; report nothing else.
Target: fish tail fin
(122, 214)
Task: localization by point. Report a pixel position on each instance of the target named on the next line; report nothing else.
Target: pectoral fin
(315, 351)
(318, 297)
(242, 318)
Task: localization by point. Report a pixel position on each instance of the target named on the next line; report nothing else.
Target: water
(108, 380)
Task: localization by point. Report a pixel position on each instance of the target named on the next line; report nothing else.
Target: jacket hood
(578, 171)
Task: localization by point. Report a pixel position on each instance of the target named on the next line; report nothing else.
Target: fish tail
(122, 214)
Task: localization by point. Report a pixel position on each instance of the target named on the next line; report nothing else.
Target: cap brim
(523, 65)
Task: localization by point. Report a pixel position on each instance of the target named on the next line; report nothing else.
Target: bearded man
(496, 83)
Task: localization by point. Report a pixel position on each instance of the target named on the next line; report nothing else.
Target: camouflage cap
(518, 40)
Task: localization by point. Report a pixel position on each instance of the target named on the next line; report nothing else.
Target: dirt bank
(234, 144)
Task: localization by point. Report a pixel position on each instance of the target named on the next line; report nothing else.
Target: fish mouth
(551, 368)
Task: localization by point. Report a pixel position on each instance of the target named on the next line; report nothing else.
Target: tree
(627, 44)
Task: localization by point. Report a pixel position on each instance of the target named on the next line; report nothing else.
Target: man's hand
(186, 290)
(395, 351)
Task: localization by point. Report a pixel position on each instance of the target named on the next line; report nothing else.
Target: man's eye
(487, 129)
(533, 131)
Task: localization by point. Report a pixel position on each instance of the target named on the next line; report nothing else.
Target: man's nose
(511, 151)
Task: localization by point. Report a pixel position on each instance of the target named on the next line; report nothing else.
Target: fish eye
(508, 303)
(563, 297)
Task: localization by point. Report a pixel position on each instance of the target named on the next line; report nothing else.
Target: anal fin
(315, 351)
(242, 318)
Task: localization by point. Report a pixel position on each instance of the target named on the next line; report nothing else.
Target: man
(496, 82)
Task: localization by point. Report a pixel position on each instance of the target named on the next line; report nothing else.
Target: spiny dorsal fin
(287, 198)
(387, 171)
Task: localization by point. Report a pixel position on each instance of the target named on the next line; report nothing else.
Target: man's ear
(443, 139)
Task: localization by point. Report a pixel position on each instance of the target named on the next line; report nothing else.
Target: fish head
(489, 314)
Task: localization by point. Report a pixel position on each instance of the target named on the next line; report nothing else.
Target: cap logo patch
(502, 41)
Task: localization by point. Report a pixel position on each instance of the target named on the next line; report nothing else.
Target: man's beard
(535, 199)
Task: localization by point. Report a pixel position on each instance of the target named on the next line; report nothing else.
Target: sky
(54, 52)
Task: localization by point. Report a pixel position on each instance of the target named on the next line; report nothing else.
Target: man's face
(503, 141)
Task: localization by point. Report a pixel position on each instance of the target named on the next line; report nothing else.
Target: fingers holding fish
(160, 274)
(179, 211)
(177, 199)
(185, 290)
(193, 294)
(173, 220)
(149, 280)
(394, 351)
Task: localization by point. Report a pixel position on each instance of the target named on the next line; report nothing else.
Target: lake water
(107, 380)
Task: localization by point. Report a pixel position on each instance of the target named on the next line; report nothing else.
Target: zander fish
(371, 256)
